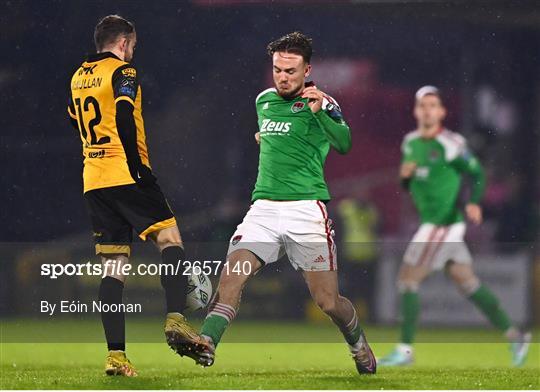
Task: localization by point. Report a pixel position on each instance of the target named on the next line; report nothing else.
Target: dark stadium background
(201, 65)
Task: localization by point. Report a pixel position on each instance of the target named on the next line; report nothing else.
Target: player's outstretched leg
(323, 286)
(110, 293)
(225, 304)
(402, 354)
(484, 299)
(408, 282)
(181, 337)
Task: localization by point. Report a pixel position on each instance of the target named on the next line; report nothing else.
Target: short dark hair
(110, 28)
(295, 42)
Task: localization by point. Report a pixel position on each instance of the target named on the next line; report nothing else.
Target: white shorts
(300, 229)
(433, 246)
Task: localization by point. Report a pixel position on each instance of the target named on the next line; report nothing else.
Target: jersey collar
(435, 135)
(100, 56)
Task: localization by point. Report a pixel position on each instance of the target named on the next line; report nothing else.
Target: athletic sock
(410, 307)
(217, 320)
(488, 304)
(352, 331)
(175, 285)
(114, 323)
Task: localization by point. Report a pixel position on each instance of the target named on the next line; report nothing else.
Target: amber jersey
(97, 85)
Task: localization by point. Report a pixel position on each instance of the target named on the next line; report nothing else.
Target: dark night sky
(201, 68)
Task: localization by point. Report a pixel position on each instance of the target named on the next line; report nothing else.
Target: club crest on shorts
(236, 239)
(297, 106)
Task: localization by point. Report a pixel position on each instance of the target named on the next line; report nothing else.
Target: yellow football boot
(118, 365)
(182, 337)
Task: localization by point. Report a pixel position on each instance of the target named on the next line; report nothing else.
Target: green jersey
(294, 143)
(435, 185)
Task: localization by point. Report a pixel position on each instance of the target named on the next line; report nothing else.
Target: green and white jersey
(436, 183)
(294, 145)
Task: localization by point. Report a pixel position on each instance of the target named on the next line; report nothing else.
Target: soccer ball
(199, 292)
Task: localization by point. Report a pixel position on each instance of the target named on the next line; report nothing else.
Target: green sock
(352, 331)
(352, 337)
(214, 327)
(488, 304)
(410, 307)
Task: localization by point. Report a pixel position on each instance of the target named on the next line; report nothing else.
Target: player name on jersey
(86, 83)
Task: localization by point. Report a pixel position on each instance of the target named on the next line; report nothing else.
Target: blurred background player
(433, 163)
(297, 125)
(120, 190)
(358, 220)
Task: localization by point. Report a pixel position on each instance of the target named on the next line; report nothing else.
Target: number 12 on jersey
(92, 123)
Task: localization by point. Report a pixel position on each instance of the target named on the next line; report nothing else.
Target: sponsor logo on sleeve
(128, 88)
(129, 72)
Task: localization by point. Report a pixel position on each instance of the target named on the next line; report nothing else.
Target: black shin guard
(175, 285)
(114, 323)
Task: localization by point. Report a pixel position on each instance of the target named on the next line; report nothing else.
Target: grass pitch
(259, 365)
